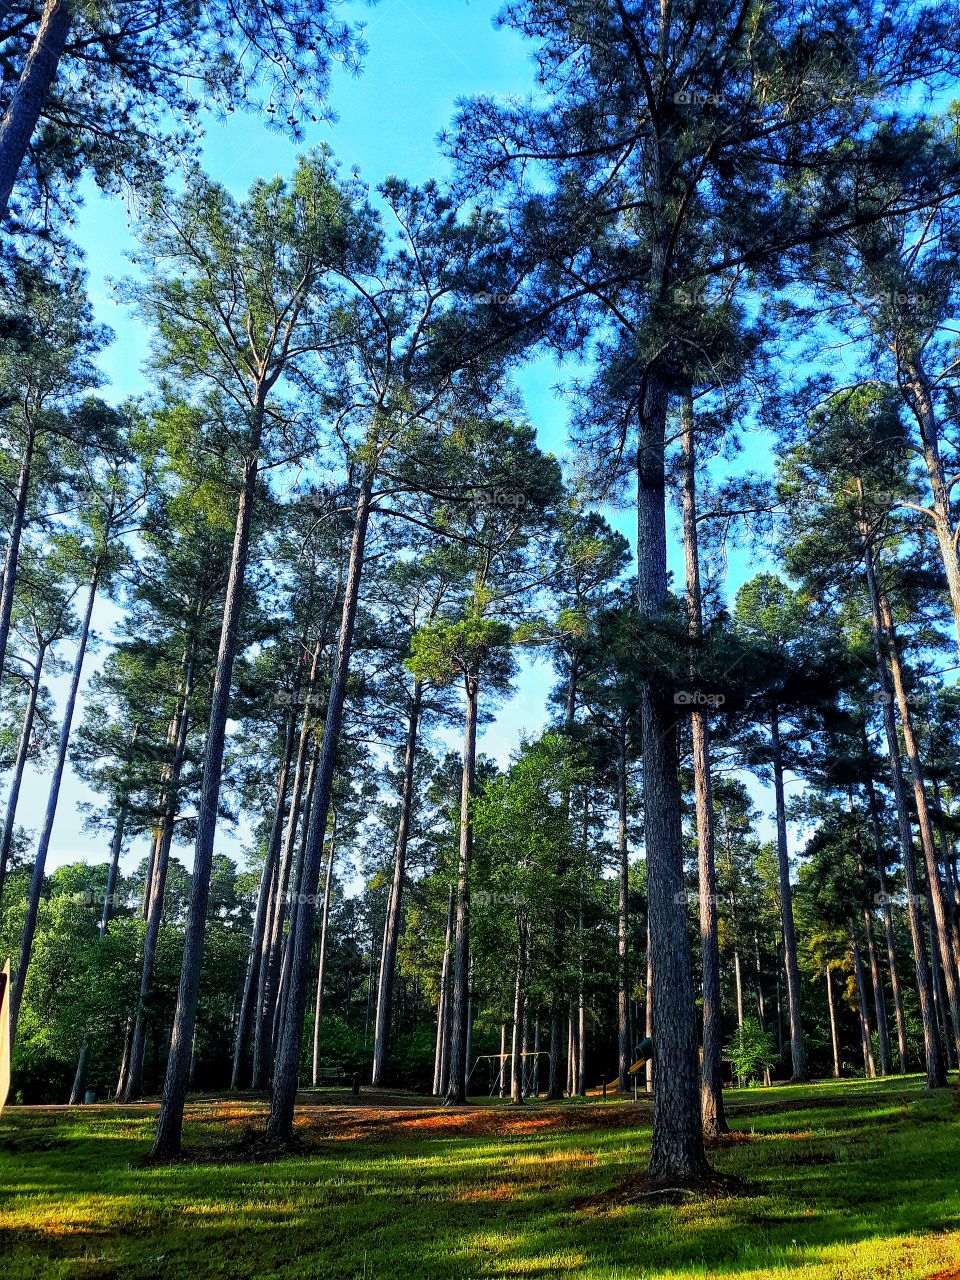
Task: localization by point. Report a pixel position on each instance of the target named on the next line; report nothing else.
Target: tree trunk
(286, 1071)
(116, 845)
(623, 923)
(887, 919)
(268, 977)
(441, 1058)
(869, 1067)
(581, 1013)
(469, 1022)
(879, 1003)
(573, 1053)
(940, 919)
(933, 1059)
(322, 961)
(738, 985)
(648, 1015)
(39, 865)
(23, 751)
(170, 1119)
(536, 1057)
(554, 1085)
(391, 929)
(241, 1048)
(714, 1119)
(134, 1074)
(939, 992)
(949, 889)
(833, 1025)
(761, 1006)
(287, 951)
(456, 1086)
(516, 1048)
(15, 536)
(916, 384)
(502, 1090)
(798, 1051)
(677, 1151)
(38, 74)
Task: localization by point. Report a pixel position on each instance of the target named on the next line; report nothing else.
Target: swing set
(497, 1066)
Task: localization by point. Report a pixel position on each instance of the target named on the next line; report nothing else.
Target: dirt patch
(316, 1128)
(735, 1138)
(641, 1190)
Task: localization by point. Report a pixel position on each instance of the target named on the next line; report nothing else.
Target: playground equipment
(4, 1033)
(643, 1050)
(497, 1064)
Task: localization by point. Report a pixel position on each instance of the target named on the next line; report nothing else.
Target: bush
(750, 1052)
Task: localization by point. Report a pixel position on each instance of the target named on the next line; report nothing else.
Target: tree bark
(457, 1085)
(269, 969)
(391, 929)
(322, 960)
(833, 1025)
(879, 1003)
(134, 1074)
(798, 1052)
(887, 919)
(581, 1013)
(116, 845)
(919, 396)
(933, 1058)
(940, 919)
(648, 1015)
(714, 1118)
(869, 1068)
(18, 517)
(677, 1151)
(38, 74)
(557, 993)
(286, 1071)
(441, 1060)
(623, 923)
(516, 1048)
(949, 890)
(280, 1009)
(939, 992)
(170, 1119)
(23, 751)
(241, 1046)
(39, 865)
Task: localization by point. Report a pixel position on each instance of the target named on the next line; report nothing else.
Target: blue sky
(423, 56)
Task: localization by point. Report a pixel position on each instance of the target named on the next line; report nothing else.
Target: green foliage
(750, 1051)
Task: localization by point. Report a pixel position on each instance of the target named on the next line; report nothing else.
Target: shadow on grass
(824, 1190)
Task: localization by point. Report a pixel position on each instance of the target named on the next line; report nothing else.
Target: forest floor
(828, 1181)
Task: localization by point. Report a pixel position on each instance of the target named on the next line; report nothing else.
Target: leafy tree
(84, 87)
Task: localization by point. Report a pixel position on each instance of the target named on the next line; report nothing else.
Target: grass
(838, 1181)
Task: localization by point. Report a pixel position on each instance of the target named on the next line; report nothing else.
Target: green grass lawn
(850, 1180)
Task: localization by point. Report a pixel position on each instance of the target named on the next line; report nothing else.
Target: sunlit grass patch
(833, 1182)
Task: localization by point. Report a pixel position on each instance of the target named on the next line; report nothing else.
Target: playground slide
(644, 1050)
